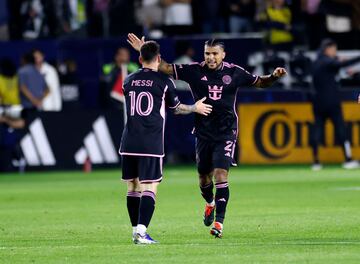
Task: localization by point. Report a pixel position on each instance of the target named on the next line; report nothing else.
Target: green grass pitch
(276, 214)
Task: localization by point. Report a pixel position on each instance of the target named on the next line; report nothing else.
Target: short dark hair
(325, 43)
(7, 67)
(215, 42)
(28, 58)
(149, 50)
(37, 50)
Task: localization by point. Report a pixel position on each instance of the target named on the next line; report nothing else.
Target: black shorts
(212, 155)
(147, 169)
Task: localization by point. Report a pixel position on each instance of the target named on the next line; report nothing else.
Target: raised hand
(201, 108)
(135, 42)
(279, 72)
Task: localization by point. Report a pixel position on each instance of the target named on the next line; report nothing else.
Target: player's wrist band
(273, 77)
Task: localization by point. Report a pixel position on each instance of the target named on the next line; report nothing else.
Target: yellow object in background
(280, 133)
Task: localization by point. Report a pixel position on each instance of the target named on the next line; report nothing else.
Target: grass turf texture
(276, 214)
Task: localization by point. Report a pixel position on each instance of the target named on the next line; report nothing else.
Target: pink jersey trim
(149, 194)
(150, 181)
(176, 75)
(129, 180)
(256, 79)
(176, 106)
(172, 82)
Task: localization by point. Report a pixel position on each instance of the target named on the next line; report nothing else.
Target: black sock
(221, 200)
(133, 202)
(207, 192)
(315, 151)
(147, 207)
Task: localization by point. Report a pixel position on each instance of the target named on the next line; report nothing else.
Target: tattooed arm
(199, 107)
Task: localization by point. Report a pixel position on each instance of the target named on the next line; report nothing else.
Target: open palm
(135, 42)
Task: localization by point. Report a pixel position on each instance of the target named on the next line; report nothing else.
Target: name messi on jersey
(142, 83)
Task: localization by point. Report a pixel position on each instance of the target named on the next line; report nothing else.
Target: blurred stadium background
(279, 213)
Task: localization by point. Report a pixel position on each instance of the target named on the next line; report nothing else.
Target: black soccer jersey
(147, 92)
(220, 87)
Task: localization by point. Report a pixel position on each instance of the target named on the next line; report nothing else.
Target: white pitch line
(353, 188)
(193, 244)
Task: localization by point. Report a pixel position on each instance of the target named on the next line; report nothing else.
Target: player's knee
(150, 187)
(134, 185)
(220, 175)
(205, 179)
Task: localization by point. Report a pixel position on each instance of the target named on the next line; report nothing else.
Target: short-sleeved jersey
(220, 87)
(147, 92)
(34, 81)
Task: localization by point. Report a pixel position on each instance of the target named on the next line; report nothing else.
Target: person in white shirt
(52, 102)
(177, 12)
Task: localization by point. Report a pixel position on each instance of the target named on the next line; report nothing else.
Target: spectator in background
(52, 102)
(314, 21)
(4, 16)
(32, 13)
(9, 83)
(9, 125)
(70, 85)
(33, 88)
(211, 15)
(149, 14)
(339, 22)
(185, 54)
(242, 13)
(115, 74)
(122, 17)
(277, 20)
(71, 17)
(178, 17)
(327, 101)
(98, 19)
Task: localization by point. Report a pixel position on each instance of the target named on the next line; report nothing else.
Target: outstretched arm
(268, 80)
(199, 107)
(136, 43)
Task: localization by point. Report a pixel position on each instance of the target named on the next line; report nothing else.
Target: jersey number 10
(136, 102)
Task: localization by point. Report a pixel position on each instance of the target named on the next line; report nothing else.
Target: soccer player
(216, 133)
(147, 91)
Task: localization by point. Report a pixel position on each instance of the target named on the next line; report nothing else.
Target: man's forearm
(26, 92)
(183, 109)
(266, 81)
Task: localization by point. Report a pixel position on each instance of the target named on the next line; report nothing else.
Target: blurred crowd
(284, 21)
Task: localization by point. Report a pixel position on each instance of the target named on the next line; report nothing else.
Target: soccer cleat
(316, 167)
(143, 240)
(217, 230)
(209, 214)
(352, 164)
